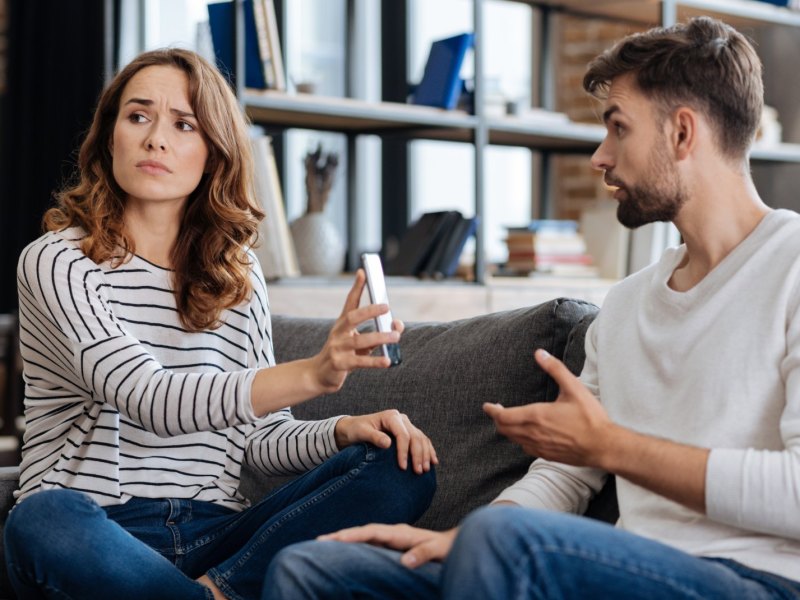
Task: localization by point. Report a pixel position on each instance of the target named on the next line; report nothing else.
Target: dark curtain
(55, 74)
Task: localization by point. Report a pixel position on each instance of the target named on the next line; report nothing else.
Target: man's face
(636, 158)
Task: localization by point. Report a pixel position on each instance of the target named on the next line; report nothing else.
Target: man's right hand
(418, 545)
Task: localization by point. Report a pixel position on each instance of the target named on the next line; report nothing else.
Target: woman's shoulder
(52, 246)
(69, 237)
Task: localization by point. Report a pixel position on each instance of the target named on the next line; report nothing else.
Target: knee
(301, 570)
(286, 569)
(502, 533)
(404, 485)
(45, 517)
(489, 525)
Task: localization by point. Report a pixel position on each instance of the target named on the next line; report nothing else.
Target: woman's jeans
(61, 544)
(513, 553)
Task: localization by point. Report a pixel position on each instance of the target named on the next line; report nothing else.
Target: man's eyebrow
(146, 102)
(609, 111)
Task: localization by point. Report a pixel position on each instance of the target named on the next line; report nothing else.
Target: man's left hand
(570, 430)
(375, 429)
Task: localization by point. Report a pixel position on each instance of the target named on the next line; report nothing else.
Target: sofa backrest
(448, 371)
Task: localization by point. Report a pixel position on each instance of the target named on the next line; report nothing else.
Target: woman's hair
(220, 220)
(704, 64)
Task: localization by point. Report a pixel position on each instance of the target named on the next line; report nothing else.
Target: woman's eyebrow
(146, 102)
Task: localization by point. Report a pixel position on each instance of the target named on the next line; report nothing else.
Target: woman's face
(159, 153)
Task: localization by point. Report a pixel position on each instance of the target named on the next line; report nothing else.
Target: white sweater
(718, 367)
(121, 401)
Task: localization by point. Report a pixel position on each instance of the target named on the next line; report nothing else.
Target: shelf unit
(548, 136)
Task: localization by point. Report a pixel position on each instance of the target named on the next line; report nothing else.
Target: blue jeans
(61, 544)
(517, 553)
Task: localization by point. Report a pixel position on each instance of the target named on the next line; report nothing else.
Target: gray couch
(449, 370)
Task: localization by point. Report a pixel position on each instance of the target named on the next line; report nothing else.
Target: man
(690, 393)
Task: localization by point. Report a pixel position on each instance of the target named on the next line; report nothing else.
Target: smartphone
(376, 286)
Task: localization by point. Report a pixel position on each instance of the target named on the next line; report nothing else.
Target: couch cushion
(449, 370)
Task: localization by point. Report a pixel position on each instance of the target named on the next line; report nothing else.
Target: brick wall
(580, 39)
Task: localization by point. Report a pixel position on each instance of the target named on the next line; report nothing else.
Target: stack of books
(548, 246)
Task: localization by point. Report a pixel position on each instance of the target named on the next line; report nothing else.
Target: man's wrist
(612, 448)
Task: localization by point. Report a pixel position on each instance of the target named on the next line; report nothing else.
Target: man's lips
(153, 167)
(616, 187)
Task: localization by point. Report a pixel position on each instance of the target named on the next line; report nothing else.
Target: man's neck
(720, 213)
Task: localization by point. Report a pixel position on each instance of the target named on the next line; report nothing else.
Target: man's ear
(684, 131)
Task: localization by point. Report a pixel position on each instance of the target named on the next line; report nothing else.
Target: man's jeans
(513, 553)
(61, 544)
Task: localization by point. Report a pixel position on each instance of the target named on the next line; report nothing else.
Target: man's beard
(660, 198)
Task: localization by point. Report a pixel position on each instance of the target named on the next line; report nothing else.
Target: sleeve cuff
(724, 481)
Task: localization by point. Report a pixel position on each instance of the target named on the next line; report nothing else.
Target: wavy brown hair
(211, 266)
(704, 63)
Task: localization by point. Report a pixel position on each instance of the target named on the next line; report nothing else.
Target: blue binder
(441, 84)
(220, 20)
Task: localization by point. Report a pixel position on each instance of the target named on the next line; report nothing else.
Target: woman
(150, 376)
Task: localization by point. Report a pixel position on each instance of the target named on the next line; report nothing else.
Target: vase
(320, 248)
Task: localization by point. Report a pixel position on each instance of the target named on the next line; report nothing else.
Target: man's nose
(601, 159)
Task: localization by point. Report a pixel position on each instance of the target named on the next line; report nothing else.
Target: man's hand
(374, 428)
(346, 349)
(576, 430)
(571, 430)
(418, 545)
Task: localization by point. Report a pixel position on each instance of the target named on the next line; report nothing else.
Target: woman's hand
(419, 545)
(291, 383)
(374, 428)
(346, 349)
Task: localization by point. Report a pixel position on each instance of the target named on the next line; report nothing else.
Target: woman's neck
(153, 228)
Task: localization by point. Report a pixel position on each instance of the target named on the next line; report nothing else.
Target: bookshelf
(547, 136)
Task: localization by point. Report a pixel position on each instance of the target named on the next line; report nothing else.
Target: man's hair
(220, 220)
(704, 64)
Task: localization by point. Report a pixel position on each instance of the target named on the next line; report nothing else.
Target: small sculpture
(320, 172)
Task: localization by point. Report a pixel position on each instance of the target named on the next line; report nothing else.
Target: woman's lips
(153, 167)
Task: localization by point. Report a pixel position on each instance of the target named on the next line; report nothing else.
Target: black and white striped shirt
(122, 401)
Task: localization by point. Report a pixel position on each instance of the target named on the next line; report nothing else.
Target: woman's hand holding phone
(346, 349)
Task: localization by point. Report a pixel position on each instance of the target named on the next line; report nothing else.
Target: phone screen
(376, 286)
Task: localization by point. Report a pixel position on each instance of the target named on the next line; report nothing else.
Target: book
(441, 85)
(418, 243)
(545, 225)
(450, 221)
(220, 21)
(447, 265)
(264, 51)
(273, 42)
(275, 249)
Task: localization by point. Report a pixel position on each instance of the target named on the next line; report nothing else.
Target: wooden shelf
(545, 134)
(739, 13)
(308, 111)
(776, 153)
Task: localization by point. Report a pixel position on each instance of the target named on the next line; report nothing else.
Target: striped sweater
(122, 401)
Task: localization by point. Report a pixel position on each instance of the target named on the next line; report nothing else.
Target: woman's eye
(184, 126)
(137, 118)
